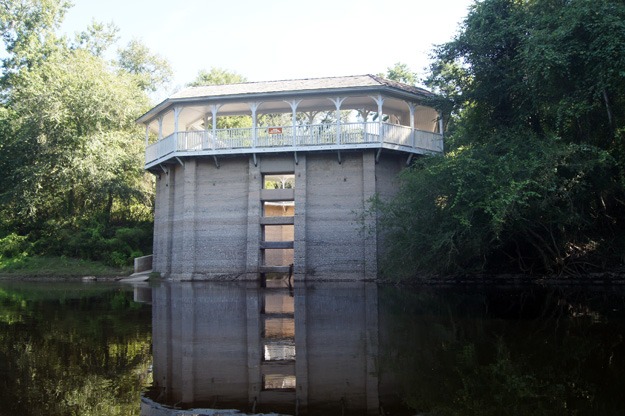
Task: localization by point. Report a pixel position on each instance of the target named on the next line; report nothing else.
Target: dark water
(72, 349)
(315, 349)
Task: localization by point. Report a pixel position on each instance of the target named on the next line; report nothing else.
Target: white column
(337, 103)
(412, 107)
(205, 136)
(379, 101)
(440, 123)
(440, 130)
(254, 107)
(177, 111)
(214, 108)
(160, 127)
(147, 135)
(294, 104)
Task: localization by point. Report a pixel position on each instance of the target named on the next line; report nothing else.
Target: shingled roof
(296, 85)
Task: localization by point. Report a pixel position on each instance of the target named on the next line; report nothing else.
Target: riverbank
(58, 268)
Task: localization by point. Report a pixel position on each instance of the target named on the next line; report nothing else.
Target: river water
(310, 349)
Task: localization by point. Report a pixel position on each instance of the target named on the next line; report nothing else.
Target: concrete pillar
(299, 220)
(255, 184)
(188, 219)
(370, 233)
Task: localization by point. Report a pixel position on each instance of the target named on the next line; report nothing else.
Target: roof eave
(149, 116)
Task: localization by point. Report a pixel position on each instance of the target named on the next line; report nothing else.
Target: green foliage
(400, 73)
(217, 76)
(13, 245)
(533, 178)
(149, 70)
(70, 151)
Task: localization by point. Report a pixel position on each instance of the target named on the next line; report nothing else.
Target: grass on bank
(35, 266)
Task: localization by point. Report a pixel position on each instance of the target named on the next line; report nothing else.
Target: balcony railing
(305, 137)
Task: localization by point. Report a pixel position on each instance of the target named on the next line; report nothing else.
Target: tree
(400, 73)
(150, 70)
(217, 76)
(533, 178)
(71, 153)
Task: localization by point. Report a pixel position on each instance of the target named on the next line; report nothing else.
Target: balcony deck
(317, 137)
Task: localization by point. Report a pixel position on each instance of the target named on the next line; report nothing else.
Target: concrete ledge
(277, 195)
(275, 244)
(274, 269)
(277, 220)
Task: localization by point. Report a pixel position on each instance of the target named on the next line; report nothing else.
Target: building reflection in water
(311, 349)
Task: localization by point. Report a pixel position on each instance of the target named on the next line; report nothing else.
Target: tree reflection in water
(355, 349)
(80, 349)
(532, 352)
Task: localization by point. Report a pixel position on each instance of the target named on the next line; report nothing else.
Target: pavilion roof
(296, 85)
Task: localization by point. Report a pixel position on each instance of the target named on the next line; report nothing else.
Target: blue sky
(279, 39)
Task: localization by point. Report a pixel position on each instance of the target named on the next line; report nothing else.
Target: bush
(14, 245)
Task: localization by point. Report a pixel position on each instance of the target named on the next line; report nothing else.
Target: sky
(267, 40)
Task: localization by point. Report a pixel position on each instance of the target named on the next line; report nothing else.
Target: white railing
(305, 136)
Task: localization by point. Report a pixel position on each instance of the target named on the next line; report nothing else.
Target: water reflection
(342, 348)
(72, 349)
(261, 350)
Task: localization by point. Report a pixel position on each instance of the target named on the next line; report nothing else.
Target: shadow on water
(355, 348)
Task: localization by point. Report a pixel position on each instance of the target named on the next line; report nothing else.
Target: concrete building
(276, 176)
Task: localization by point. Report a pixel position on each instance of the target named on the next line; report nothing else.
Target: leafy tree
(217, 76)
(71, 152)
(150, 70)
(401, 73)
(533, 179)
(97, 38)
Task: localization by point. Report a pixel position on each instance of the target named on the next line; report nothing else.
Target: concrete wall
(207, 218)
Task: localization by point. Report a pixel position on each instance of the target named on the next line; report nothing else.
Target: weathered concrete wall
(334, 196)
(207, 218)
